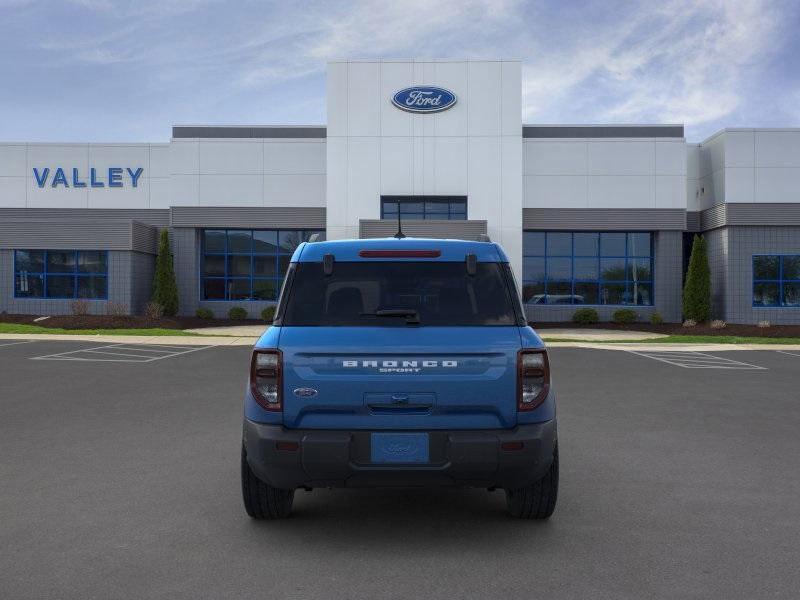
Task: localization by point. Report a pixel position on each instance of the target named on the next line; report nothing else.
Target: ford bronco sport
(399, 362)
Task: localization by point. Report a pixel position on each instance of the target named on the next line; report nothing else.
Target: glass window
(452, 208)
(776, 280)
(243, 264)
(441, 293)
(587, 268)
(62, 274)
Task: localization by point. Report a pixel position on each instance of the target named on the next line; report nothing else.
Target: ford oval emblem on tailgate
(305, 392)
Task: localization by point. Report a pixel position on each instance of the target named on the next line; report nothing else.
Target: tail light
(533, 378)
(266, 378)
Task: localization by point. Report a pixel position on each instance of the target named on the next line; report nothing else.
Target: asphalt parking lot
(119, 479)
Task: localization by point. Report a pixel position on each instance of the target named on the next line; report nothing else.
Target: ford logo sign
(305, 392)
(424, 99)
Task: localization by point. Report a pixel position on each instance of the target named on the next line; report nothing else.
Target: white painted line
(17, 343)
(789, 353)
(698, 360)
(121, 350)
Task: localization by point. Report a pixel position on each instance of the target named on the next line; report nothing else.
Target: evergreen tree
(165, 288)
(697, 290)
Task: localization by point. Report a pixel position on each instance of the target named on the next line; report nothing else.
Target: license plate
(399, 447)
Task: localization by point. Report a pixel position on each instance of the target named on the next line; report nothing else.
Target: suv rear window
(398, 293)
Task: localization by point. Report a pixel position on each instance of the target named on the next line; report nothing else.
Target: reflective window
(561, 267)
(66, 274)
(776, 280)
(248, 264)
(448, 208)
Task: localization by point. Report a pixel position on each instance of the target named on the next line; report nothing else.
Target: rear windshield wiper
(411, 314)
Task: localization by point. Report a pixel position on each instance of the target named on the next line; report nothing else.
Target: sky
(126, 71)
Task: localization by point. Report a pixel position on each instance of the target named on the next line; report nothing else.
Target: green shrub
(624, 315)
(697, 290)
(268, 314)
(204, 313)
(165, 288)
(237, 313)
(585, 316)
(656, 318)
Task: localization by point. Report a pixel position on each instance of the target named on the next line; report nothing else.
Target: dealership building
(598, 215)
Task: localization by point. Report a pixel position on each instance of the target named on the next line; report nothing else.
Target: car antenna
(399, 235)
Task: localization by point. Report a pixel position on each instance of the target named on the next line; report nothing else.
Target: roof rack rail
(483, 237)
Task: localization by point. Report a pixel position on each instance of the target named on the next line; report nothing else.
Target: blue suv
(399, 362)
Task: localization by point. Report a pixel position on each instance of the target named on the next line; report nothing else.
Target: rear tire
(538, 500)
(261, 500)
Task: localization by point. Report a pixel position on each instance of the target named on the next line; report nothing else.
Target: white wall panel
(231, 190)
(294, 190)
(363, 113)
(12, 192)
(510, 200)
(621, 191)
(555, 191)
(777, 185)
(394, 76)
(621, 158)
(159, 160)
(160, 192)
(231, 158)
(777, 149)
(184, 190)
(429, 166)
(482, 97)
(396, 156)
(124, 197)
(362, 181)
(337, 99)
(511, 98)
(484, 179)
(60, 197)
(452, 76)
(451, 166)
(739, 148)
(555, 157)
(739, 184)
(13, 160)
(292, 158)
(670, 158)
(670, 191)
(184, 157)
(336, 183)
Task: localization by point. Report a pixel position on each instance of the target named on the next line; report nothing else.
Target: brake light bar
(400, 253)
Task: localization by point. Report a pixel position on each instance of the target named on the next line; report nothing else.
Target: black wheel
(261, 500)
(538, 500)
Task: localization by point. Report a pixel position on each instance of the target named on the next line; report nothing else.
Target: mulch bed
(774, 331)
(124, 322)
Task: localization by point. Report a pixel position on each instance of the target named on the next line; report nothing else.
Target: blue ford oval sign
(424, 99)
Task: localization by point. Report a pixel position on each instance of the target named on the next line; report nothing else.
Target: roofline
(603, 131)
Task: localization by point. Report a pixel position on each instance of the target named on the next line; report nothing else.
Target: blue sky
(104, 70)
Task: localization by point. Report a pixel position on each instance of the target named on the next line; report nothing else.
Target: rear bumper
(326, 458)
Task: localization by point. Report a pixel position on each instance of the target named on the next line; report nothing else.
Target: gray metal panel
(151, 216)
(773, 213)
(144, 238)
(66, 234)
(602, 131)
(313, 132)
(439, 229)
(693, 221)
(607, 219)
(255, 217)
(713, 217)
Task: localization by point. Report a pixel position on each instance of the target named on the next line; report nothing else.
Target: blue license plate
(399, 447)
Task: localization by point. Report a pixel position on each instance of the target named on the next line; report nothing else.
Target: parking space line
(697, 360)
(787, 353)
(17, 343)
(128, 353)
